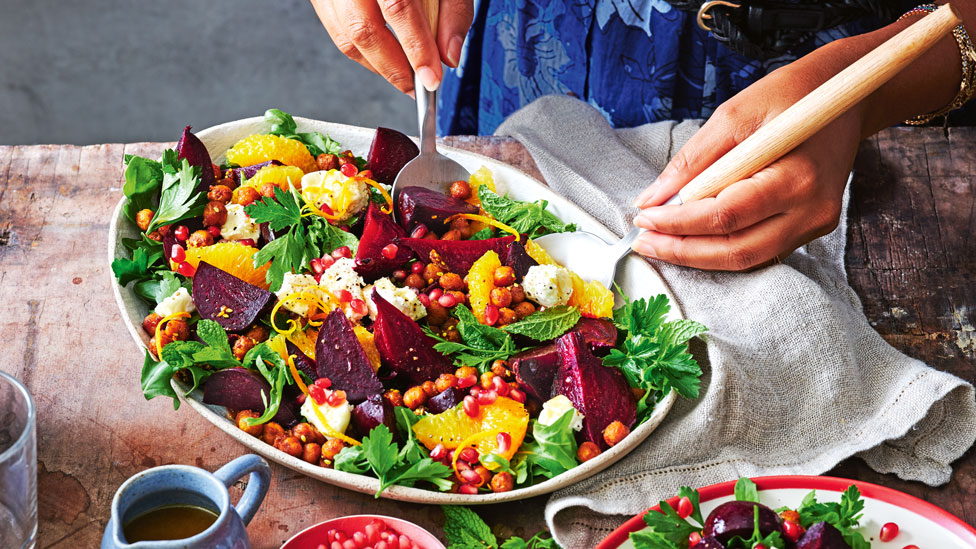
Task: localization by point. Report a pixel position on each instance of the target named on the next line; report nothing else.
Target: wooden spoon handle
(821, 106)
(430, 7)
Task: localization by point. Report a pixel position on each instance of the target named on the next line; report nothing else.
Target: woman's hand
(358, 28)
(765, 217)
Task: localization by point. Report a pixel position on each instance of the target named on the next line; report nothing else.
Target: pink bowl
(311, 537)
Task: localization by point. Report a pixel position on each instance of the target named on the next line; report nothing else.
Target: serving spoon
(593, 258)
(429, 169)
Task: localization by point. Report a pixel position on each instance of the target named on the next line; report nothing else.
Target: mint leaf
(546, 325)
(179, 198)
(745, 490)
(214, 335)
(143, 179)
(482, 344)
(529, 218)
(283, 124)
(464, 529)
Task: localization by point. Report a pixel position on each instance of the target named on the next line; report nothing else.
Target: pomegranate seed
(436, 294)
(214, 231)
(470, 476)
(404, 541)
(336, 545)
(349, 169)
(416, 267)
(178, 254)
(340, 395)
(424, 300)
(326, 209)
(186, 269)
(438, 453)
(399, 275)
(475, 391)
(468, 489)
(792, 530)
(500, 387)
(249, 242)
(344, 228)
(693, 539)
(382, 544)
(330, 534)
(326, 261)
(487, 398)
(359, 307)
(341, 536)
(323, 382)
(349, 544)
(318, 278)
(469, 455)
(685, 507)
(470, 406)
(316, 265)
(504, 442)
(182, 232)
(341, 251)
(888, 531)
(390, 251)
(317, 393)
(359, 538)
(447, 301)
(344, 296)
(419, 231)
(517, 395)
(467, 381)
(910, 547)
(462, 465)
(301, 398)
(491, 315)
(758, 546)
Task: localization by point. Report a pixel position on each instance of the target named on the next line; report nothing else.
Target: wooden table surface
(911, 257)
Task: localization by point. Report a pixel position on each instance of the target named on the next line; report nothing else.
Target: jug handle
(257, 484)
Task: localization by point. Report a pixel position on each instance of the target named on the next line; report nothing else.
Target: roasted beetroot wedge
(240, 389)
(457, 255)
(249, 171)
(535, 369)
(737, 518)
(389, 153)
(598, 392)
(445, 400)
(302, 362)
(191, 149)
(226, 299)
(417, 205)
(379, 232)
(404, 346)
(340, 357)
(822, 535)
(599, 333)
(370, 413)
(518, 259)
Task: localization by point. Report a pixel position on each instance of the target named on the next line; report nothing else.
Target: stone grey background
(101, 71)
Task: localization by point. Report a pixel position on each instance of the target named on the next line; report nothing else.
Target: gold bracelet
(967, 85)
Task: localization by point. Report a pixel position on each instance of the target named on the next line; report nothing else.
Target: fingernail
(642, 247)
(454, 50)
(428, 78)
(641, 220)
(645, 195)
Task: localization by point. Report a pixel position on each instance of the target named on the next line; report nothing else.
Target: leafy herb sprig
(531, 218)
(844, 515)
(283, 124)
(464, 529)
(546, 325)
(481, 345)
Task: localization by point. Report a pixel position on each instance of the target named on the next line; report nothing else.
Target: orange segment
(481, 283)
(454, 426)
(236, 259)
(305, 341)
(481, 176)
(540, 255)
(592, 298)
(258, 148)
(365, 338)
(280, 176)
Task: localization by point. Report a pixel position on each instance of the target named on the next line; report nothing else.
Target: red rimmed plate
(920, 523)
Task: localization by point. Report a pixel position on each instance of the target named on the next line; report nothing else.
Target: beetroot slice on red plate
(191, 149)
(417, 205)
(535, 369)
(379, 232)
(822, 535)
(240, 389)
(372, 412)
(709, 543)
(598, 392)
(457, 255)
(389, 153)
(302, 362)
(340, 357)
(736, 518)
(249, 171)
(404, 346)
(518, 259)
(226, 299)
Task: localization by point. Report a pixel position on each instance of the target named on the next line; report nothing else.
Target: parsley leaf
(284, 125)
(180, 199)
(140, 267)
(464, 529)
(667, 530)
(281, 212)
(745, 490)
(379, 454)
(326, 237)
(143, 179)
(530, 218)
(405, 419)
(552, 450)
(546, 325)
(157, 289)
(845, 515)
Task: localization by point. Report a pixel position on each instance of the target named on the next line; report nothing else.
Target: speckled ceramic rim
(392, 521)
(519, 184)
(29, 426)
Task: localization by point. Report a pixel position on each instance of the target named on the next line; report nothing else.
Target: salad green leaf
(144, 261)
(667, 530)
(143, 179)
(530, 218)
(483, 234)
(546, 325)
(379, 454)
(412, 450)
(155, 380)
(482, 344)
(179, 199)
(844, 515)
(325, 237)
(283, 124)
(745, 490)
(552, 448)
(155, 290)
(277, 376)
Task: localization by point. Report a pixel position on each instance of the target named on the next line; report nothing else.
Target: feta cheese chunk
(336, 416)
(238, 225)
(404, 299)
(345, 196)
(548, 285)
(555, 407)
(179, 302)
(342, 275)
(293, 283)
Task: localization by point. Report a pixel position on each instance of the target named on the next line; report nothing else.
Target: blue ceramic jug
(186, 485)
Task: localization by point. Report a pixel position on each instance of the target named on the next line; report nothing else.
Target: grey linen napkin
(796, 380)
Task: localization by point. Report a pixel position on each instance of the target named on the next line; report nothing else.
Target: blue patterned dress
(637, 61)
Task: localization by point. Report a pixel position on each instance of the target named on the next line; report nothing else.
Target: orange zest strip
(330, 432)
(386, 196)
(159, 345)
(470, 442)
(487, 221)
(312, 208)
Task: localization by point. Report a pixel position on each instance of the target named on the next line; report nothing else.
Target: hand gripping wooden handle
(821, 106)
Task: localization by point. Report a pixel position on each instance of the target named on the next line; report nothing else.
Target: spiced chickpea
(587, 451)
(451, 234)
(215, 213)
(290, 445)
(451, 281)
(268, 190)
(502, 482)
(331, 448)
(501, 297)
(307, 433)
(150, 322)
(461, 190)
(155, 235)
(523, 309)
(432, 273)
(518, 294)
(220, 193)
(272, 431)
(451, 333)
(615, 432)
(312, 452)
(144, 218)
(175, 329)
(637, 392)
(199, 239)
(414, 281)
(486, 380)
(430, 388)
(504, 276)
(257, 333)
(506, 316)
(228, 181)
(465, 371)
(394, 397)
(242, 346)
(437, 314)
(253, 430)
(500, 368)
(461, 225)
(445, 382)
(247, 196)
(414, 397)
(327, 161)
(458, 296)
